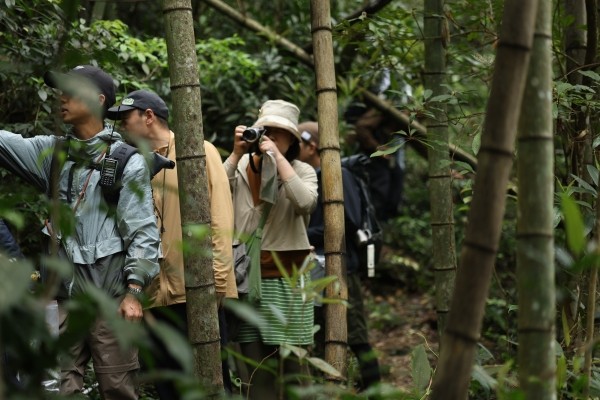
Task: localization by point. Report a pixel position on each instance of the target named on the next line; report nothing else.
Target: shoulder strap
(121, 154)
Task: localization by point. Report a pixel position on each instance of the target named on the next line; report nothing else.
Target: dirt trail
(399, 322)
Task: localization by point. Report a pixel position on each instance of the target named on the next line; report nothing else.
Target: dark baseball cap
(69, 82)
(141, 100)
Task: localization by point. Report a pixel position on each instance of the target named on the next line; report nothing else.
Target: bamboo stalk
(535, 234)
(203, 325)
(336, 335)
(495, 160)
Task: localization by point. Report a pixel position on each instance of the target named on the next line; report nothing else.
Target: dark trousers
(175, 315)
(358, 334)
(265, 380)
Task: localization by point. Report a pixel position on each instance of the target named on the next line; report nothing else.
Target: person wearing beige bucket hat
(281, 193)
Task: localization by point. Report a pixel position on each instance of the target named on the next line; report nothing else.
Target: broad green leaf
(480, 375)
(15, 279)
(593, 171)
(42, 94)
(441, 98)
(575, 228)
(585, 185)
(420, 368)
(465, 166)
(565, 327)
(476, 144)
(386, 151)
(298, 351)
(590, 74)
(245, 312)
(324, 366)
(177, 345)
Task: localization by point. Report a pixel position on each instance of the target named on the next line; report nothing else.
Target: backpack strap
(121, 154)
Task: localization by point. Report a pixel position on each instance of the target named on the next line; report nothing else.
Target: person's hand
(266, 144)
(240, 146)
(131, 308)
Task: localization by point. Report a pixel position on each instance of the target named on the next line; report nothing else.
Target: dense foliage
(239, 70)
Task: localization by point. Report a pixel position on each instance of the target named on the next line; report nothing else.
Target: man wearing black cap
(144, 116)
(117, 252)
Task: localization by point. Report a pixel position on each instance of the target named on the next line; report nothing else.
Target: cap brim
(117, 111)
(54, 79)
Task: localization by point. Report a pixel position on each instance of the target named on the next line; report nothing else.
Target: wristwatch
(137, 292)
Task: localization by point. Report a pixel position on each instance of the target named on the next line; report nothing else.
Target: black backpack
(121, 154)
(370, 231)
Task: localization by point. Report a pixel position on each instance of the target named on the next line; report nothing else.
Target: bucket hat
(279, 114)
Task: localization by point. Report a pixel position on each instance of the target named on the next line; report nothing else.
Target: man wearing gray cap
(144, 116)
(113, 247)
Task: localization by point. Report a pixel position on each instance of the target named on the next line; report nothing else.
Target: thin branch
(368, 9)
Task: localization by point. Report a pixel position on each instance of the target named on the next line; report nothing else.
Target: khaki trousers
(115, 367)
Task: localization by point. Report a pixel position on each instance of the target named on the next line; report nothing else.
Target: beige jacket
(168, 287)
(285, 228)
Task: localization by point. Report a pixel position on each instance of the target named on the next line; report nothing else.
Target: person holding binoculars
(268, 182)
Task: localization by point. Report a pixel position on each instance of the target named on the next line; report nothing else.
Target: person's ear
(102, 99)
(150, 118)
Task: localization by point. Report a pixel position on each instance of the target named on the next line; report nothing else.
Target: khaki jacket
(169, 286)
(285, 228)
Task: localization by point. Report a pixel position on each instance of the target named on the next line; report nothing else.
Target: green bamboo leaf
(561, 372)
(575, 228)
(15, 279)
(177, 345)
(565, 327)
(476, 144)
(590, 74)
(421, 370)
(324, 366)
(480, 375)
(594, 174)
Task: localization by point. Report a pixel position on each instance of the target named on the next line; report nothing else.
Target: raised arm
(28, 158)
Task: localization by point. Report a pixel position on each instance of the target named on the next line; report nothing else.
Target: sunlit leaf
(480, 375)
(575, 228)
(324, 366)
(420, 368)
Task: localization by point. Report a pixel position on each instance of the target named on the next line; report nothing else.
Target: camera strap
(255, 169)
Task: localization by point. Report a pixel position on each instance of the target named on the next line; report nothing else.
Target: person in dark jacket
(358, 338)
(8, 244)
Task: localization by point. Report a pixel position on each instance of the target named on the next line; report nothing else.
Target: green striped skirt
(288, 319)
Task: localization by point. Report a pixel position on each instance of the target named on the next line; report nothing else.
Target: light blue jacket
(106, 248)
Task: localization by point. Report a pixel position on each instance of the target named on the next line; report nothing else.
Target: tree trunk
(440, 190)
(203, 325)
(336, 335)
(495, 160)
(575, 38)
(535, 232)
